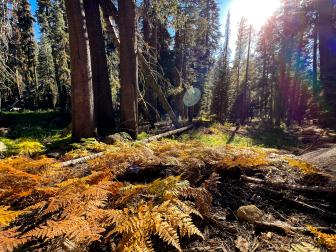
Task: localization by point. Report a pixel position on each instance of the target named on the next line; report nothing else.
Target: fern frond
(10, 240)
(327, 240)
(76, 229)
(165, 231)
(7, 216)
(304, 247)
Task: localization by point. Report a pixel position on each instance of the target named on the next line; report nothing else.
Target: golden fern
(75, 229)
(327, 240)
(9, 240)
(304, 247)
(7, 216)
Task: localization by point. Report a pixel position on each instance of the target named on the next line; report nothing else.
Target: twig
(279, 185)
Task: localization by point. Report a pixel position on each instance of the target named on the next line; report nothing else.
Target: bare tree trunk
(128, 67)
(100, 76)
(83, 125)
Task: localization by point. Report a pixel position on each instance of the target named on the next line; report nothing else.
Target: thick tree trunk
(100, 76)
(83, 125)
(327, 36)
(128, 67)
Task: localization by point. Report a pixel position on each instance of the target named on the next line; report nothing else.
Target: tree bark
(100, 76)
(128, 67)
(83, 125)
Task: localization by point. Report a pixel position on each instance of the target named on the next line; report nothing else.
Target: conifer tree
(47, 89)
(220, 102)
(241, 45)
(26, 52)
(61, 55)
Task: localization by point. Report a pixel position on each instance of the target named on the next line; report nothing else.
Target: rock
(125, 136)
(308, 132)
(3, 147)
(250, 213)
(242, 244)
(118, 137)
(4, 131)
(324, 158)
(54, 155)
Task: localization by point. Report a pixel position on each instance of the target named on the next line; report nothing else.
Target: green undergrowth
(219, 135)
(253, 135)
(32, 133)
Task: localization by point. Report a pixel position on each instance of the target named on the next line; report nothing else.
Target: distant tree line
(111, 64)
(112, 86)
(285, 73)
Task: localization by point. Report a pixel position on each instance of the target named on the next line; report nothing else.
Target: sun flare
(256, 11)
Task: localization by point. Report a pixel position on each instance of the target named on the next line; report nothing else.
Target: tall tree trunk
(315, 87)
(128, 67)
(245, 99)
(100, 77)
(83, 125)
(327, 38)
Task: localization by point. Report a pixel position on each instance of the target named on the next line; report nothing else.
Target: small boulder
(4, 131)
(118, 137)
(250, 213)
(3, 147)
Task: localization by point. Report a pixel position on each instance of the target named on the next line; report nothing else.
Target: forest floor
(256, 188)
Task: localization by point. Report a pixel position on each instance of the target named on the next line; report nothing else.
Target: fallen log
(147, 140)
(167, 134)
(284, 186)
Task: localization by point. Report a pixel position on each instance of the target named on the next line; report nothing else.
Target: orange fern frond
(10, 240)
(7, 216)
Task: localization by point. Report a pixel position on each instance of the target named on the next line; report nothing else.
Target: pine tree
(26, 53)
(44, 15)
(47, 89)
(61, 55)
(240, 54)
(220, 102)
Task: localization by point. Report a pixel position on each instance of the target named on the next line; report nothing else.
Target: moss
(143, 135)
(23, 146)
(33, 133)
